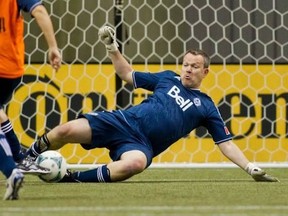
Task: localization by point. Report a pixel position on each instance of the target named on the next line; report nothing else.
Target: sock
(13, 141)
(249, 168)
(7, 163)
(42, 144)
(100, 174)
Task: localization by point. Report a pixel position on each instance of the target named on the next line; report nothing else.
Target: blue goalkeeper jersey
(172, 111)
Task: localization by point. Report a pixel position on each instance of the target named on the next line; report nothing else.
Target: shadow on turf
(188, 180)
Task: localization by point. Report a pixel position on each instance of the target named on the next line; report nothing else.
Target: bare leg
(75, 131)
(130, 163)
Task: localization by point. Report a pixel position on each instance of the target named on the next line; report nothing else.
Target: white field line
(187, 165)
(142, 208)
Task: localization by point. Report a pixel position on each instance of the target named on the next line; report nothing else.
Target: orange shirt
(11, 40)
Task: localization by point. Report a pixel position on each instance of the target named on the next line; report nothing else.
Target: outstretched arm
(233, 153)
(45, 23)
(122, 67)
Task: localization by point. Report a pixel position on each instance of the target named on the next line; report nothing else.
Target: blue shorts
(111, 132)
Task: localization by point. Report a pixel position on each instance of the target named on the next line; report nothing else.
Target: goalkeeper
(136, 135)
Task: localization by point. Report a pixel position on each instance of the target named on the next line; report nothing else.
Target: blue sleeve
(28, 5)
(216, 127)
(148, 80)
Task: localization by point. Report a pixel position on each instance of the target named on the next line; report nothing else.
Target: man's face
(193, 71)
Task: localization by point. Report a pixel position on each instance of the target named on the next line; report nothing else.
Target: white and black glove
(108, 36)
(258, 174)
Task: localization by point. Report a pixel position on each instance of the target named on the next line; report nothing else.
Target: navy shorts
(111, 132)
(7, 87)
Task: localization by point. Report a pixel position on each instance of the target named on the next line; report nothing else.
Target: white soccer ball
(54, 161)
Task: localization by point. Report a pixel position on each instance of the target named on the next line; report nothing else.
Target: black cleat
(69, 177)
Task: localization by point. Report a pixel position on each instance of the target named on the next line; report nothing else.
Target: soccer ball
(54, 161)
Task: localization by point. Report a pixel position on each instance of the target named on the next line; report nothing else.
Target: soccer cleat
(29, 166)
(260, 175)
(14, 183)
(69, 177)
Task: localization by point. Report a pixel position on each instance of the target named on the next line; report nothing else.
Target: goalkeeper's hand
(108, 37)
(258, 174)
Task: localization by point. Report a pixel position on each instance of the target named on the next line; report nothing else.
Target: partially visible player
(136, 135)
(11, 72)
(8, 167)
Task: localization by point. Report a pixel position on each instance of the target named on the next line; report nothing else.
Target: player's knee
(135, 162)
(137, 165)
(132, 167)
(62, 131)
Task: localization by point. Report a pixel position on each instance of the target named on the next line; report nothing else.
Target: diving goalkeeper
(136, 135)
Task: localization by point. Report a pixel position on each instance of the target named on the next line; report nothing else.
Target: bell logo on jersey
(174, 93)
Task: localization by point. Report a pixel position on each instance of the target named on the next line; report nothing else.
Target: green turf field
(163, 192)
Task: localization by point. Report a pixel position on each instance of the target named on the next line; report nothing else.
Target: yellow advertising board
(252, 99)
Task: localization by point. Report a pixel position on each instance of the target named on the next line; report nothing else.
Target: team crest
(197, 102)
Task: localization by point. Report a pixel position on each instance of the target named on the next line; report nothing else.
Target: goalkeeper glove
(108, 37)
(258, 174)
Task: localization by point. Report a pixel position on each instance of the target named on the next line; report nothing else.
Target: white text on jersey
(174, 93)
